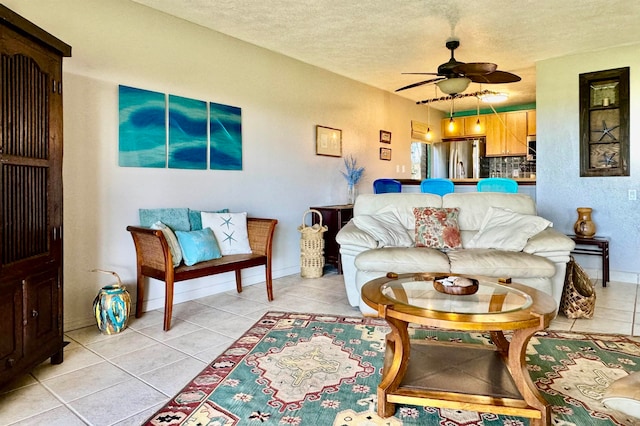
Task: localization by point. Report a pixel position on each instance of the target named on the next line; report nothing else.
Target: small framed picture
(328, 141)
(385, 154)
(385, 137)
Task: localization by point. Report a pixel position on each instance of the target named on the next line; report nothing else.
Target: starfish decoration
(226, 222)
(606, 131)
(608, 159)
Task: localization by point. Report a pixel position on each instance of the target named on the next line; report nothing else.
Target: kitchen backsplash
(511, 167)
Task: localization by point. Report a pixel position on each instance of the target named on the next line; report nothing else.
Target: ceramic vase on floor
(584, 226)
(112, 306)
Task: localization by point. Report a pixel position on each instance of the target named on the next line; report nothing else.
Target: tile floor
(123, 379)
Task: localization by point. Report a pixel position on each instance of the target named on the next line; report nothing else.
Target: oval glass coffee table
(458, 376)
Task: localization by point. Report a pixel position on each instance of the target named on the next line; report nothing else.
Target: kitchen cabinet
(475, 125)
(31, 203)
(506, 134)
(455, 130)
(334, 218)
(604, 123)
(531, 122)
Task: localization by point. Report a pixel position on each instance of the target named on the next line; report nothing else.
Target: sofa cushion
(230, 230)
(500, 263)
(175, 218)
(385, 227)
(437, 228)
(195, 217)
(403, 260)
(507, 230)
(474, 206)
(172, 241)
(198, 246)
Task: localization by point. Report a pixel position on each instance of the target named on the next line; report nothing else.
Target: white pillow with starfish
(230, 230)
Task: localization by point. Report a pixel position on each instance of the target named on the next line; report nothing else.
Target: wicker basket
(578, 295)
(311, 247)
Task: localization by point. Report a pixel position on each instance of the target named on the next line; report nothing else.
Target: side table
(334, 217)
(600, 247)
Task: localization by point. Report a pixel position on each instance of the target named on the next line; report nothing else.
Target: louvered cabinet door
(30, 196)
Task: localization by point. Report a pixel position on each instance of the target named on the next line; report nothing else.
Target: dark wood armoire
(30, 196)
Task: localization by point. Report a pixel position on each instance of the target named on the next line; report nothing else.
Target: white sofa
(541, 263)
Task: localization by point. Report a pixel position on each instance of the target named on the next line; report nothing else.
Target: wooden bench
(154, 260)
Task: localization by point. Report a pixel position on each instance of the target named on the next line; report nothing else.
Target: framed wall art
(385, 154)
(328, 141)
(385, 137)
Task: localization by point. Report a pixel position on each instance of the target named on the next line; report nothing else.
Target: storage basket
(578, 295)
(311, 247)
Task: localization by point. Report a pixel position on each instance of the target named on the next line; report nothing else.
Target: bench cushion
(198, 246)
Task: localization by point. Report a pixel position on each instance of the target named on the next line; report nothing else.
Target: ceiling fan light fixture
(452, 86)
(494, 97)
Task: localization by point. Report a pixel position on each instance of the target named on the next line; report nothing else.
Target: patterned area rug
(306, 369)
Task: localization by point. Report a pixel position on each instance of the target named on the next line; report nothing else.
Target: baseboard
(191, 294)
(615, 276)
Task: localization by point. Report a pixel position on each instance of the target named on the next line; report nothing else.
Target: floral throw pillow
(437, 228)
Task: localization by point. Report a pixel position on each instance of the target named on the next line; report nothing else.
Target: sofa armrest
(351, 235)
(549, 241)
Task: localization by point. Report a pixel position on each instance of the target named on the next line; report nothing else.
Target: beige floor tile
(120, 344)
(118, 402)
(178, 328)
(211, 317)
(26, 402)
(233, 326)
(86, 381)
(24, 380)
(187, 310)
(148, 359)
(237, 305)
(212, 353)
(197, 341)
(173, 377)
(74, 359)
(90, 334)
(148, 319)
(58, 416)
(602, 326)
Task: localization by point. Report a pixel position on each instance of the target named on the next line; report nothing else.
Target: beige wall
(119, 42)
(560, 189)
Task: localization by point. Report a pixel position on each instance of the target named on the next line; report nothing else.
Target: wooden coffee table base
(461, 376)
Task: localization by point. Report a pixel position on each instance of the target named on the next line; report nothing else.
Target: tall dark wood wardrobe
(30, 197)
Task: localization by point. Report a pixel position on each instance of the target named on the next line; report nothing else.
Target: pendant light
(452, 124)
(478, 127)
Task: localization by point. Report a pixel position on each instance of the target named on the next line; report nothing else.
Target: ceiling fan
(454, 76)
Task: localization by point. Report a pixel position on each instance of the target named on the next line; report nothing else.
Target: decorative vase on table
(352, 193)
(584, 226)
(112, 306)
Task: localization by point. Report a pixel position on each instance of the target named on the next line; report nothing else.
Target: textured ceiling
(374, 41)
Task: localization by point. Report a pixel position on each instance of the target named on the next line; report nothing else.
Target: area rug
(308, 369)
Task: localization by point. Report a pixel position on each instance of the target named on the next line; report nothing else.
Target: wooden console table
(334, 217)
(600, 247)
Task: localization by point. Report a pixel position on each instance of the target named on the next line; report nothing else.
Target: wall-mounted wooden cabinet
(531, 122)
(507, 134)
(604, 123)
(464, 126)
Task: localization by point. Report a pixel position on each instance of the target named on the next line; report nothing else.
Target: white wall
(560, 189)
(119, 42)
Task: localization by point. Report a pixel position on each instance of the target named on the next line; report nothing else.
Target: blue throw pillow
(195, 218)
(175, 218)
(198, 246)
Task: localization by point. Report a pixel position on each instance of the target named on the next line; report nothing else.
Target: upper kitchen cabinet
(507, 134)
(475, 125)
(452, 128)
(604, 123)
(531, 122)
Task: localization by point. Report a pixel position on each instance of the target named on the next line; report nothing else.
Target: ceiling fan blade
(420, 83)
(496, 77)
(420, 73)
(475, 68)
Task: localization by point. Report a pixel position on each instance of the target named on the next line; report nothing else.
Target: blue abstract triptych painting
(161, 131)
